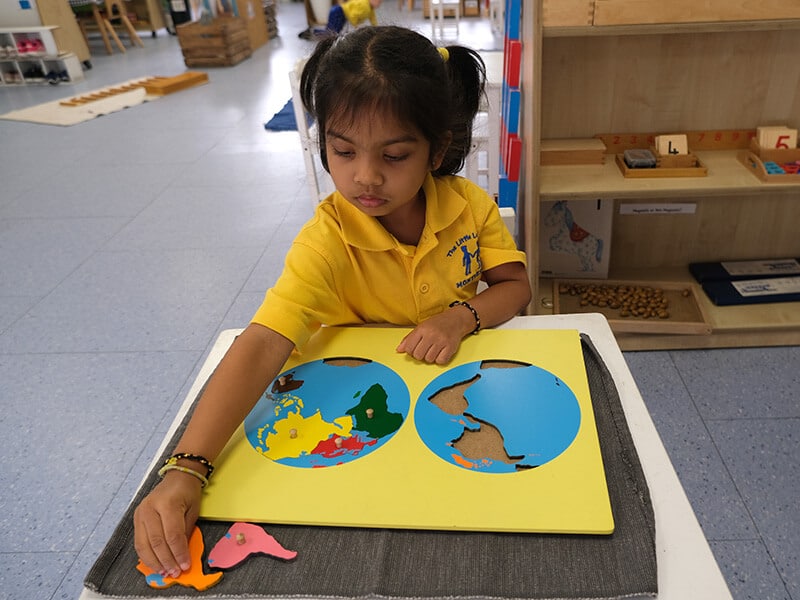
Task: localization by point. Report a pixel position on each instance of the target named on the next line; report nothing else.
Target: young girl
(402, 241)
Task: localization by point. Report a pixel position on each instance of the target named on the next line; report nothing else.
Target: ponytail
(466, 73)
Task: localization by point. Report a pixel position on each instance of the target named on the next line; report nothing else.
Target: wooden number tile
(672, 144)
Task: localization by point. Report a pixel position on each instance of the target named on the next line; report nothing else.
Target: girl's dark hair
(392, 68)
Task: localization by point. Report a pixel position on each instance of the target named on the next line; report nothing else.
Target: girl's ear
(438, 156)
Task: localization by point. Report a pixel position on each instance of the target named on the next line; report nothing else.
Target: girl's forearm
(509, 292)
(252, 362)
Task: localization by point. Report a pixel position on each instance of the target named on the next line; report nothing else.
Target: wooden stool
(115, 10)
(80, 11)
(103, 19)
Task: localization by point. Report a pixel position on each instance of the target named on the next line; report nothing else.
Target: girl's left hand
(437, 339)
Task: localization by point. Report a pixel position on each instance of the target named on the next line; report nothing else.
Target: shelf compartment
(45, 66)
(686, 317)
(726, 175)
(43, 36)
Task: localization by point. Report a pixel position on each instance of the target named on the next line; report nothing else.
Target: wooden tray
(685, 314)
(697, 171)
(778, 155)
(755, 165)
(591, 151)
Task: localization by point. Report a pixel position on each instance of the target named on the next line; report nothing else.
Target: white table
(687, 569)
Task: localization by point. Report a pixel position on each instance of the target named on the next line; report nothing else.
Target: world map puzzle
(352, 433)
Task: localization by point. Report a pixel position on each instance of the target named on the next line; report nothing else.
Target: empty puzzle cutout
(462, 419)
(242, 540)
(193, 577)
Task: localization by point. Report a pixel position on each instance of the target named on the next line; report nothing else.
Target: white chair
(320, 184)
(440, 30)
(476, 164)
(497, 15)
(482, 162)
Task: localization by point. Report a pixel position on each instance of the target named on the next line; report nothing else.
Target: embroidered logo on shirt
(467, 247)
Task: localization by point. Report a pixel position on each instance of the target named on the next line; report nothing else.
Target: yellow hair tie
(444, 53)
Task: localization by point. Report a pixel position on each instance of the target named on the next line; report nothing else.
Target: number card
(672, 144)
(777, 137)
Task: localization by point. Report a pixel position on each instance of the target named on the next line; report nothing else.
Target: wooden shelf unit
(730, 74)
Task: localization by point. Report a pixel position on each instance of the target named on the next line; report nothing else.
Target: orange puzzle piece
(194, 577)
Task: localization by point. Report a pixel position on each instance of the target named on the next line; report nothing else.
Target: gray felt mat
(382, 563)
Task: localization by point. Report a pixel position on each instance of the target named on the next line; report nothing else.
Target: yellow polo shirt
(344, 268)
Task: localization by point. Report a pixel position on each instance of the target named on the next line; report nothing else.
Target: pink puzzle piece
(242, 540)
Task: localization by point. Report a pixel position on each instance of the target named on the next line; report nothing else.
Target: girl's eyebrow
(398, 140)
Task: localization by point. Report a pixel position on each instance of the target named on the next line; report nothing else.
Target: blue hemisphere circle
(497, 416)
(351, 406)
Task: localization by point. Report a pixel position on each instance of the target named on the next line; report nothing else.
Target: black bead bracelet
(473, 311)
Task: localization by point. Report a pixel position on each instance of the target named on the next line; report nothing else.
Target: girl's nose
(368, 174)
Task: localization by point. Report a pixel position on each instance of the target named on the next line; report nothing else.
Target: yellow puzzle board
(403, 484)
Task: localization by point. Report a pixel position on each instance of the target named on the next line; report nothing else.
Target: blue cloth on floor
(283, 120)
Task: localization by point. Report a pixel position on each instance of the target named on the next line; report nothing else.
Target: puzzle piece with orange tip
(242, 540)
(193, 577)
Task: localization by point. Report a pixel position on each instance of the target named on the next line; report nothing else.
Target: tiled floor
(128, 242)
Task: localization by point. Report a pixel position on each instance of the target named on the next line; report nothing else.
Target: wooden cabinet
(722, 71)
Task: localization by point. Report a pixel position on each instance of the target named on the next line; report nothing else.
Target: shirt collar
(441, 208)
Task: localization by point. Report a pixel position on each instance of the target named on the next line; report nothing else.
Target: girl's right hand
(163, 522)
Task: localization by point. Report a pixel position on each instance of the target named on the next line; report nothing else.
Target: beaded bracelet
(166, 468)
(173, 460)
(472, 310)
